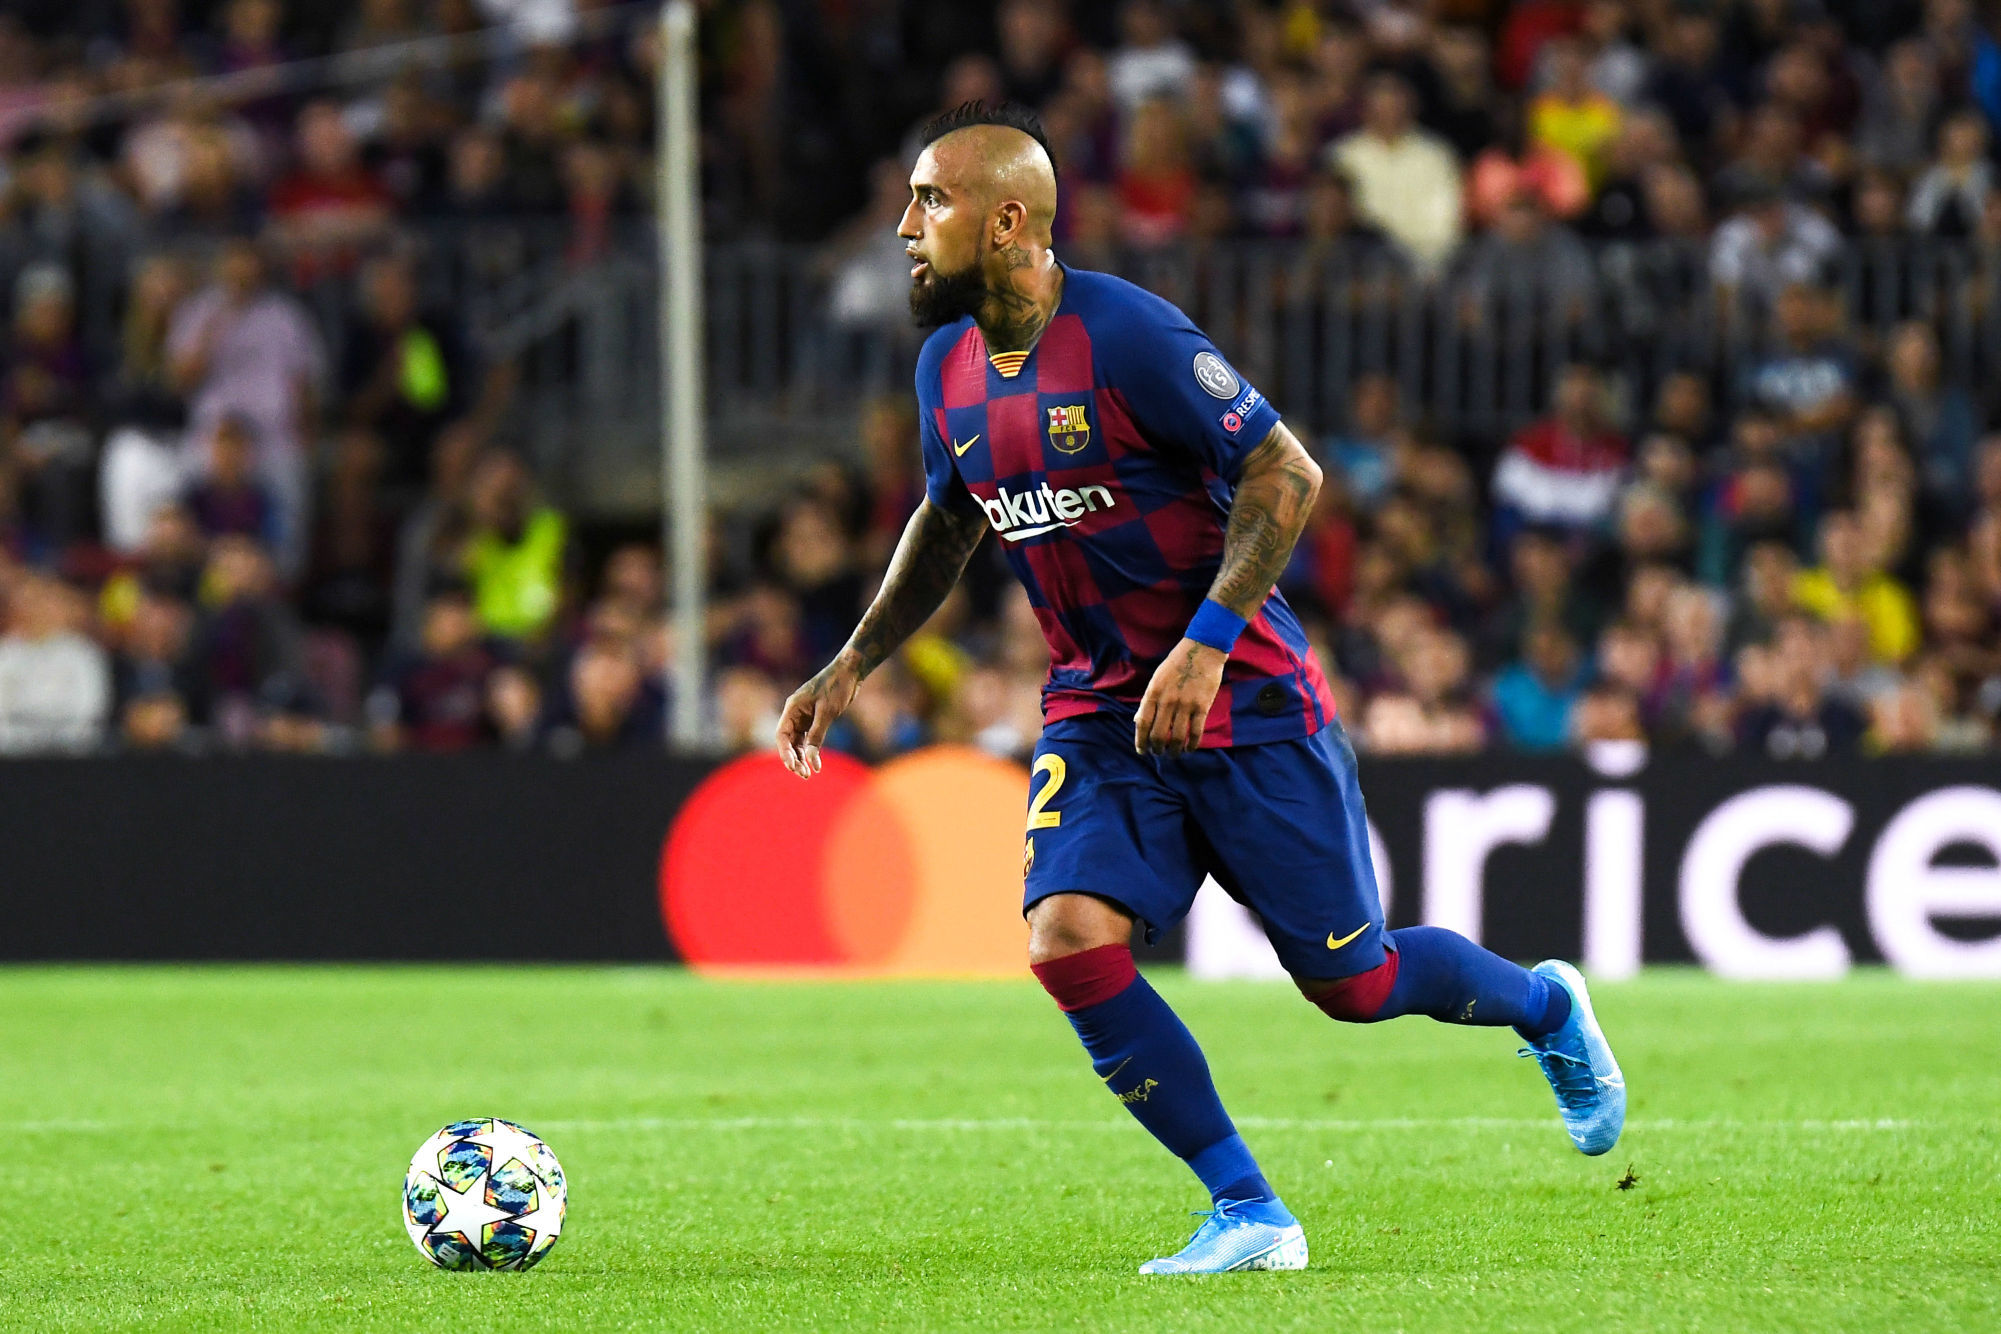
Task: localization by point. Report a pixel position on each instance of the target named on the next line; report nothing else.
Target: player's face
(943, 233)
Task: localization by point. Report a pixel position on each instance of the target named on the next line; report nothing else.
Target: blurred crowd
(1794, 554)
(260, 488)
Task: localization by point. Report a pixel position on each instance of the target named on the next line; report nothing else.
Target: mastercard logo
(911, 868)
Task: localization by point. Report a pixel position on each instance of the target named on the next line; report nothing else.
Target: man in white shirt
(1151, 62)
(1771, 242)
(1407, 180)
(55, 684)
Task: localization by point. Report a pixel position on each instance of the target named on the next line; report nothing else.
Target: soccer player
(1148, 499)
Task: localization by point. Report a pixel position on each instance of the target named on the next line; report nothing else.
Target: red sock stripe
(1360, 998)
(1079, 981)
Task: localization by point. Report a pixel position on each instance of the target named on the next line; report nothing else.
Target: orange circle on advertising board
(912, 868)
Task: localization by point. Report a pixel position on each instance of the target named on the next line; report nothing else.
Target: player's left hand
(1176, 705)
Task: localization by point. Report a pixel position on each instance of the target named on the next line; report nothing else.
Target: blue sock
(1445, 975)
(1151, 1063)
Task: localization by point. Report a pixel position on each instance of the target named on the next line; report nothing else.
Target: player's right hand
(803, 724)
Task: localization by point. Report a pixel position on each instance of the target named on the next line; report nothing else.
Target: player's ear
(1008, 220)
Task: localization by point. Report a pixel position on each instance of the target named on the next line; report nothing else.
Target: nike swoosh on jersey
(1334, 944)
(959, 450)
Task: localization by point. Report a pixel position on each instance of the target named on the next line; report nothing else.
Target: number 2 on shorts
(1038, 817)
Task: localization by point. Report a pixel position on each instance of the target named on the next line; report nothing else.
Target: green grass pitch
(223, 1149)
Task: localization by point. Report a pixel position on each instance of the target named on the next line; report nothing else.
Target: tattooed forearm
(933, 552)
(1275, 495)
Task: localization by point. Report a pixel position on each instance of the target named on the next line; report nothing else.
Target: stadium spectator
(1615, 65)
(812, 554)
(869, 275)
(1772, 156)
(1571, 116)
(352, 561)
(1900, 109)
(1770, 241)
(1620, 209)
(1940, 420)
(1689, 80)
(1847, 585)
(1800, 721)
(1543, 591)
(242, 348)
(159, 284)
(476, 187)
(62, 211)
(515, 552)
(45, 418)
(329, 204)
(1693, 700)
(1949, 198)
(1432, 714)
(1552, 177)
(139, 470)
(1565, 469)
(404, 374)
(1535, 694)
(1362, 452)
(883, 721)
(1809, 381)
(1032, 36)
(1150, 62)
(428, 540)
(1406, 179)
(229, 499)
(55, 682)
(1461, 109)
(1156, 183)
(249, 652)
(894, 477)
(436, 698)
(1629, 658)
(605, 704)
(1607, 717)
(154, 673)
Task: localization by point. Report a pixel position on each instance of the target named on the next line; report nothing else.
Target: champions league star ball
(484, 1195)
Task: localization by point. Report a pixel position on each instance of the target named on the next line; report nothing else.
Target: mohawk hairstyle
(968, 114)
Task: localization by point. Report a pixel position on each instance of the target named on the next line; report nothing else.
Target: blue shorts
(1279, 825)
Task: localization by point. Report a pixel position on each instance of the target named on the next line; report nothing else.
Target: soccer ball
(484, 1194)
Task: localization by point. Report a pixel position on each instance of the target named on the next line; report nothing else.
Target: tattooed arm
(934, 550)
(1275, 494)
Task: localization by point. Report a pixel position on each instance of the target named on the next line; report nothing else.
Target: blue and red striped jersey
(1105, 459)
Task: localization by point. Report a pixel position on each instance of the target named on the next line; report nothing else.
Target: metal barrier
(1475, 349)
(799, 336)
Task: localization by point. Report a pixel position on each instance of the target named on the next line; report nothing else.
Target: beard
(940, 298)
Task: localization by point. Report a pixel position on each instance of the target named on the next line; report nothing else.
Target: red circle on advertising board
(759, 834)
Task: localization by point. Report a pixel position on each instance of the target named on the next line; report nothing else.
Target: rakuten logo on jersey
(1018, 515)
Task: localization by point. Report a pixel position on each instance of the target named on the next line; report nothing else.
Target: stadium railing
(798, 337)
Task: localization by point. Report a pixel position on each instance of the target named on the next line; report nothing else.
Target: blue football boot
(1578, 1062)
(1238, 1234)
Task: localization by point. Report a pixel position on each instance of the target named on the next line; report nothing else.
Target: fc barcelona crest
(1069, 432)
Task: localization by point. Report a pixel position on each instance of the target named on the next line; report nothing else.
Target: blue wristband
(1215, 626)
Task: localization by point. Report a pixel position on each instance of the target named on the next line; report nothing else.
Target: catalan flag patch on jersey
(1007, 363)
